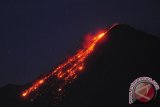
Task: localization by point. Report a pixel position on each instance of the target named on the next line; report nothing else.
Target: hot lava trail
(68, 70)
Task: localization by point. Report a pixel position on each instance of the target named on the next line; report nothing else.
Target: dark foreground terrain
(124, 55)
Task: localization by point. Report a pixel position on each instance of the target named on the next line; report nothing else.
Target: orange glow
(41, 81)
(24, 94)
(80, 68)
(68, 70)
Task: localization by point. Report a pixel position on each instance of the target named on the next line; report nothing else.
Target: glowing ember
(24, 94)
(68, 70)
(59, 89)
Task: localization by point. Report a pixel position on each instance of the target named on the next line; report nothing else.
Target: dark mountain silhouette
(124, 55)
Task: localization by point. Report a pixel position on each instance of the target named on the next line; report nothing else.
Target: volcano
(124, 55)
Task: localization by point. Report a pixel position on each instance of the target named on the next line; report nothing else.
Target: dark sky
(37, 35)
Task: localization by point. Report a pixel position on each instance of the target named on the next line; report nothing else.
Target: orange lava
(68, 70)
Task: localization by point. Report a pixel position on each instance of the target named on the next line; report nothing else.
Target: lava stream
(68, 70)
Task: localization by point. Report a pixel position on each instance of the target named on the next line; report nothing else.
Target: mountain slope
(124, 55)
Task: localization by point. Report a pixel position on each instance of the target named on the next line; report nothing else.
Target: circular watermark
(143, 89)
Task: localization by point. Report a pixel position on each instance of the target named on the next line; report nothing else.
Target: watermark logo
(143, 90)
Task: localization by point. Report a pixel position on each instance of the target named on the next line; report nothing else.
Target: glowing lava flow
(68, 70)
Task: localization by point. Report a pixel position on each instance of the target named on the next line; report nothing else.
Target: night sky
(37, 35)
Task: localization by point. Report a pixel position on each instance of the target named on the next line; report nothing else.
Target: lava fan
(70, 69)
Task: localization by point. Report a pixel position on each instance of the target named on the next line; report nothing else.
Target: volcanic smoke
(70, 69)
